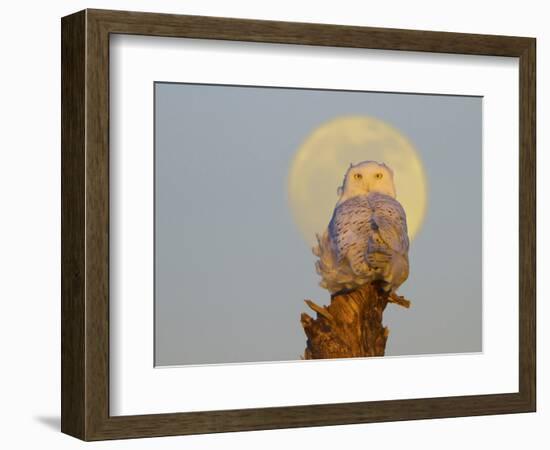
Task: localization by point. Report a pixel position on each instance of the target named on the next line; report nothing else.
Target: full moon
(319, 165)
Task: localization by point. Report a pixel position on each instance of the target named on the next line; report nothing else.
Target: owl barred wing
(367, 230)
(390, 218)
(366, 240)
(350, 227)
(388, 251)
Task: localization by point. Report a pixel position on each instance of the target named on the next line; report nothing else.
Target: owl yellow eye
(378, 176)
(358, 176)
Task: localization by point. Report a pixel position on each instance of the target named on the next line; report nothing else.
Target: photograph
(297, 224)
(275, 225)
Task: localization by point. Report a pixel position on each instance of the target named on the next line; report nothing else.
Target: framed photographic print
(272, 224)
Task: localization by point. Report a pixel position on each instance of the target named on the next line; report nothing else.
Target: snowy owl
(366, 239)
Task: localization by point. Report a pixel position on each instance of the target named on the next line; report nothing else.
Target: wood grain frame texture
(85, 224)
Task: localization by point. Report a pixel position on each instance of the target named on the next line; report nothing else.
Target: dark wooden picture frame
(85, 224)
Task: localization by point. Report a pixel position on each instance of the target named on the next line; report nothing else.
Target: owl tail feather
(377, 255)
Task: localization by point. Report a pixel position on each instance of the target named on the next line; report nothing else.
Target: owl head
(365, 177)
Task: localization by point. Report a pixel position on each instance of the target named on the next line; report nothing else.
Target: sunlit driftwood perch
(351, 326)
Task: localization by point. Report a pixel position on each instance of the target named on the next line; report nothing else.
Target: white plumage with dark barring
(366, 239)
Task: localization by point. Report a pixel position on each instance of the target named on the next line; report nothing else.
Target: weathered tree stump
(351, 326)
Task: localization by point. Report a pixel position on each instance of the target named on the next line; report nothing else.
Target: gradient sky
(232, 268)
